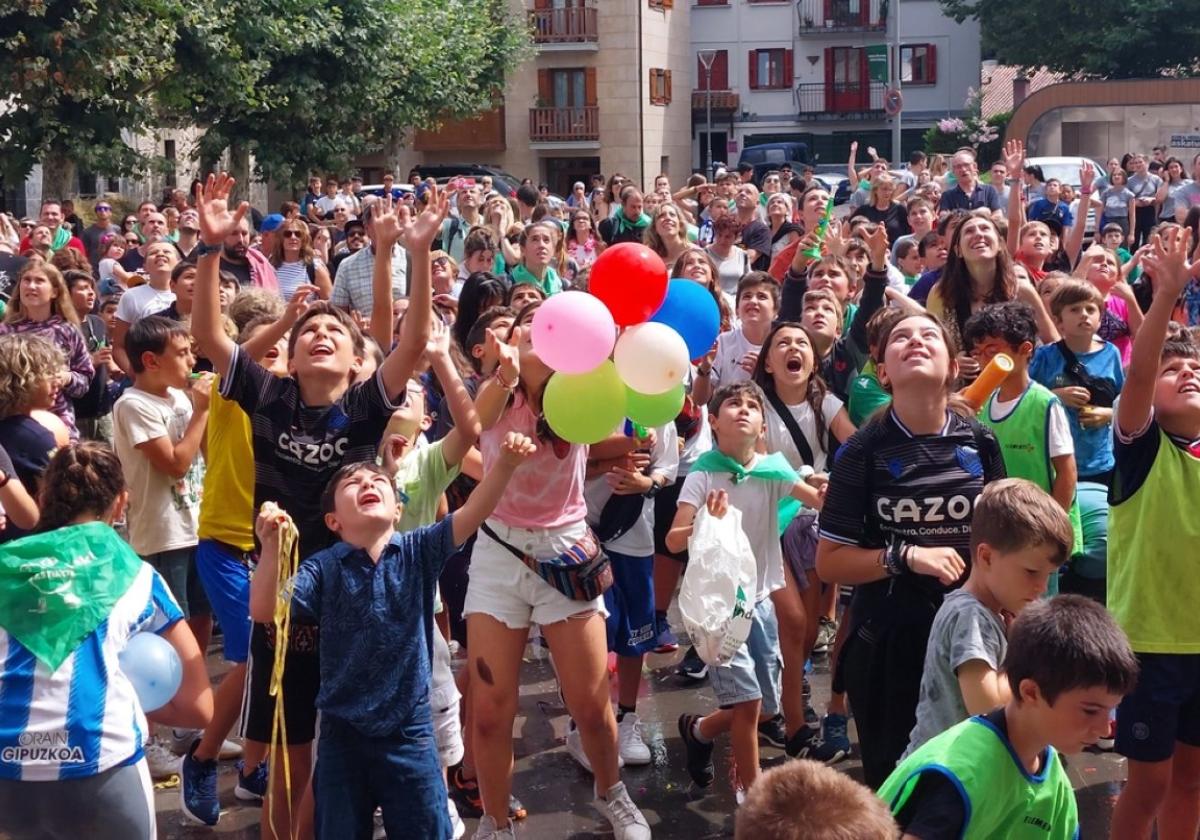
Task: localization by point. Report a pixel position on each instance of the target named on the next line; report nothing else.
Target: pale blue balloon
(153, 668)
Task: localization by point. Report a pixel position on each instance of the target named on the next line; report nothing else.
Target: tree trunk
(58, 176)
(239, 168)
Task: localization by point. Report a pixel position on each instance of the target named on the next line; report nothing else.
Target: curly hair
(26, 361)
(252, 303)
(79, 480)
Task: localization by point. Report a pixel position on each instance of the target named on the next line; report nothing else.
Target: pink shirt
(545, 491)
(1124, 344)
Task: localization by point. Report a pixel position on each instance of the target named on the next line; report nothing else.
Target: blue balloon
(153, 669)
(690, 310)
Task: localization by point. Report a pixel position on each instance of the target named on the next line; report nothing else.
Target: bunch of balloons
(623, 350)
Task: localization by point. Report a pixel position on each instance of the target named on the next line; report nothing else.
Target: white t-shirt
(143, 300)
(732, 346)
(758, 502)
(780, 440)
(163, 511)
(1058, 437)
(326, 205)
(638, 541)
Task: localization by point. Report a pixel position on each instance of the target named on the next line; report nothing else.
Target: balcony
(482, 133)
(840, 101)
(723, 101)
(572, 28)
(835, 16)
(571, 126)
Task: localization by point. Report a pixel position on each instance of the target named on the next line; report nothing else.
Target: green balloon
(585, 407)
(654, 409)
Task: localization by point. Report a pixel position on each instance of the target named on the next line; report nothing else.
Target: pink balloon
(573, 332)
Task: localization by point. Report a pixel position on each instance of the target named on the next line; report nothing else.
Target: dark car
(502, 182)
(776, 154)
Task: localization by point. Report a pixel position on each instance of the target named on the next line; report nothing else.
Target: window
(660, 86)
(717, 76)
(918, 64)
(567, 88)
(770, 69)
(169, 154)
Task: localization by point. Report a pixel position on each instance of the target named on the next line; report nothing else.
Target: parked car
(776, 153)
(398, 190)
(502, 182)
(1066, 171)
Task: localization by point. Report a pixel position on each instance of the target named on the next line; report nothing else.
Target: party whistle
(814, 253)
(636, 430)
(990, 378)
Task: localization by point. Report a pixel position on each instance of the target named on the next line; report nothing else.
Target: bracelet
(889, 563)
(499, 377)
(700, 369)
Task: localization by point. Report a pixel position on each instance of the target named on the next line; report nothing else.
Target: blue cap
(271, 223)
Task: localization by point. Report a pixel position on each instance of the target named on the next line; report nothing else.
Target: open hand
(438, 345)
(877, 247)
(300, 302)
(1167, 263)
(212, 206)
(426, 226)
(1014, 158)
(388, 223)
(507, 353)
(516, 448)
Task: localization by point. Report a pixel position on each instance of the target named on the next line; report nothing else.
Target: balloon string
(289, 563)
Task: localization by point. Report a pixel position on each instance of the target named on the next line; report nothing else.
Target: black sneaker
(699, 755)
(772, 732)
(801, 744)
(692, 666)
(811, 718)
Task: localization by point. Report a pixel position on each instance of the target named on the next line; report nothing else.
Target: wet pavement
(558, 793)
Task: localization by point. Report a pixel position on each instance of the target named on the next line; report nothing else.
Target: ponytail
(80, 480)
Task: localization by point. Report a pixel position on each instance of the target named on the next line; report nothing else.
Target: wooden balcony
(840, 100)
(572, 25)
(564, 125)
(836, 16)
(723, 101)
(483, 133)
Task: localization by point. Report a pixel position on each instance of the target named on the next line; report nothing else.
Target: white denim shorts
(443, 704)
(509, 591)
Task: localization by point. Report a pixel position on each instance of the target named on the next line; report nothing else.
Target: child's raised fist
(516, 448)
(266, 526)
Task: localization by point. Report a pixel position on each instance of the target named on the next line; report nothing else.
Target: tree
(78, 77)
(1113, 39)
(328, 80)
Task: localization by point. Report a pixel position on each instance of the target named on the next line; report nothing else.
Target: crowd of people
(321, 430)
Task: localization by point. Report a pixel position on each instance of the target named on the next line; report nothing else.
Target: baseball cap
(271, 223)
(352, 225)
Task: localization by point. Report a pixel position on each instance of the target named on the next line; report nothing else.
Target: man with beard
(355, 238)
(250, 267)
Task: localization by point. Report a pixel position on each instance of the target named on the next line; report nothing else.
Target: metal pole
(707, 57)
(894, 26)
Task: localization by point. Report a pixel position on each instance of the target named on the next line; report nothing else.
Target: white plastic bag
(716, 600)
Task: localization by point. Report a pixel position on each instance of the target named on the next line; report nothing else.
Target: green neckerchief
(623, 224)
(773, 467)
(56, 588)
(549, 284)
(61, 237)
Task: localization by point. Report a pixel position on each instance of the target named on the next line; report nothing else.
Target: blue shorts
(178, 569)
(226, 577)
(630, 605)
(1163, 708)
(756, 669)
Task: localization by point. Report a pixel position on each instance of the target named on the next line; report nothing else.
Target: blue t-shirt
(376, 625)
(1044, 209)
(1093, 447)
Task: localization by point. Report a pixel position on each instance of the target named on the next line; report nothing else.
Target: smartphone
(468, 182)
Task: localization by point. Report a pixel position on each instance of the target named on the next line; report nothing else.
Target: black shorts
(301, 682)
(1163, 708)
(665, 503)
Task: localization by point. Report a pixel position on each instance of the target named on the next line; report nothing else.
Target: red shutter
(720, 71)
(753, 69)
(541, 4)
(788, 71)
(545, 88)
(668, 87)
(931, 63)
(589, 86)
(829, 68)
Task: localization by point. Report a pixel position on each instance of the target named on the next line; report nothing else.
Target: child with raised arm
(1153, 532)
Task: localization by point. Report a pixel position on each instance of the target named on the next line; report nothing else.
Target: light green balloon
(585, 407)
(653, 409)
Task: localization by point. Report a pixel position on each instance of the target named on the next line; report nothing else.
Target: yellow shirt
(227, 512)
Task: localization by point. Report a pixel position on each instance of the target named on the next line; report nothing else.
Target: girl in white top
(295, 262)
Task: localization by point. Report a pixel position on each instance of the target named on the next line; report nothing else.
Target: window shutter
(545, 87)
(931, 63)
(720, 71)
(788, 71)
(666, 87)
(753, 69)
(541, 4)
(828, 69)
(589, 86)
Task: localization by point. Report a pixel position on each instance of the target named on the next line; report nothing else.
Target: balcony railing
(721, 100)
(840, 100)
(842, 15)
(564, 125)
(572, 25)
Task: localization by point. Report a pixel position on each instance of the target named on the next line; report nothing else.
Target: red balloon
(631, 280)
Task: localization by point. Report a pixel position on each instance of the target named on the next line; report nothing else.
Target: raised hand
(507, 354)
(877, 247)
(426, 226)
(212, 207)
(392, 447)
(266, 526)
(1014, 157)
(439, 340)
(300, 302)
(516, 448)
(387, 224)
(1087, 177)
(1167, 263)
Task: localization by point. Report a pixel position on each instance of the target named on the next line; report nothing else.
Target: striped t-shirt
(83, 718)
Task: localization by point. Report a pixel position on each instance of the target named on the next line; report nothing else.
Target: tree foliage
(1113, 39)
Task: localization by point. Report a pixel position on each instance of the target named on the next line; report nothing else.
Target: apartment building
(817, 71)
(607, 90)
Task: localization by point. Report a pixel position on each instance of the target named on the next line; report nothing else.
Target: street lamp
(707, 57)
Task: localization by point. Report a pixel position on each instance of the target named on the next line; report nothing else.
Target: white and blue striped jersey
(83, 718)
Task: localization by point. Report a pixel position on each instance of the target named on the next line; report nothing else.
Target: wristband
(890, 562)
(499, 377)
(203, 249)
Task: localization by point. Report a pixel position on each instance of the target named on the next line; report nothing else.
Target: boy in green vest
(1000, 775)
(1028, 420)
(1153, 534)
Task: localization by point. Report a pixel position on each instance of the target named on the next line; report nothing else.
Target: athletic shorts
(630, 605)
(665, 502)
(301, 682)
(799, 547)
(756, 670)
(117, 804)
(178, 569)
(225, 573)
(1163, 708)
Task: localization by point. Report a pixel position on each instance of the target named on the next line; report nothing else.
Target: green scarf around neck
(624, 224)
(61, 237)
(550, 283)
(773, 467)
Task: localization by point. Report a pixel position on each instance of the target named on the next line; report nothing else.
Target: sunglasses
(356, 233)
(561, 447)
(29, 225)
(132, 241)
(440, 262)
(102, 208)
(288, 234)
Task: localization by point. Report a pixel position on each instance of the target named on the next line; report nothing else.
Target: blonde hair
(61, 304)
(26, 361)
(251, 303)
(651, 238)
(805, 800)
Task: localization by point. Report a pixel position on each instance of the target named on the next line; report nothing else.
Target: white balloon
(652, 358)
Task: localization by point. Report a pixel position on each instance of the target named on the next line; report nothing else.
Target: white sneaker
(627, 821)
(162, 762)
(487, 830)
(456, 822)
(632, 746)
(575, 748)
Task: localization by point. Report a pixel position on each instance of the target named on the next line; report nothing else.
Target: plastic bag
(716, 600)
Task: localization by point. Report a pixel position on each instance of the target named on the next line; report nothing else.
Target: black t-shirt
(611, 235)
(132, 261)
(298, 448)
(894, 219)
(935, 810)
(29, 446)
(240, 270)
(1135, 460)
(10, 267)
(784, 230)
(757, 235)
(889, 485)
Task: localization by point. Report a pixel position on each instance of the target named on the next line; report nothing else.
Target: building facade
(817, 71)
(605, 91)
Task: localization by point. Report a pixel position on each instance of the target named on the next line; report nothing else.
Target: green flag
(56, 588)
